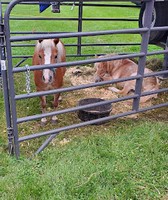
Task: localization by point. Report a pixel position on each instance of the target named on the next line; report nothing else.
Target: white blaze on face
(47, 55)
(46, 72)
(47, 46)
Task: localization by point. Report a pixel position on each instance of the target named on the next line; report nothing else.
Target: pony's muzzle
(47, 76)
(48, 80)
(97, 79)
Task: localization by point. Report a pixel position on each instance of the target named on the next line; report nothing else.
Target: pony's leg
(114, 89)
(128, 86)
(55, 105)
(60, 98)
(43, 108)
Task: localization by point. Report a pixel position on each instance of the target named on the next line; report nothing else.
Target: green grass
(127, 160)
(121, 160)
(72, 26)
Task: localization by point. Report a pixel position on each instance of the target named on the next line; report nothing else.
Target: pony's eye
(40, 57)
(56, 57)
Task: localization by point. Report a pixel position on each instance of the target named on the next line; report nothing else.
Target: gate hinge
(10, 140)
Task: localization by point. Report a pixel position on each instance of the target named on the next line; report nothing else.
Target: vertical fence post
(10, 78)
(165, 63)
(80, 15)
(5, 86)
(144, 48)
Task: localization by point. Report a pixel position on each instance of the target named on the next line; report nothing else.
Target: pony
(123, 68)
(49, 51)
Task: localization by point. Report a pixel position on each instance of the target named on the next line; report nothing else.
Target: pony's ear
(40, 40)
(56, 40)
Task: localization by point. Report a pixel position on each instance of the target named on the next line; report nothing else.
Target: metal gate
(13, 65)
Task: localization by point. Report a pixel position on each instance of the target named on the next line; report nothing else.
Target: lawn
(126, 159)
(123, 159)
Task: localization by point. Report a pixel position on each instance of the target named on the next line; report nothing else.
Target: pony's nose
(43, 78)
(97, 79)
(48, 80)
(47, 76)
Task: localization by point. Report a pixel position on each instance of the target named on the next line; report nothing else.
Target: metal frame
(9, 70)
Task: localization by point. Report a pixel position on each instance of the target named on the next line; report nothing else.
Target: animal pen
(81, 47)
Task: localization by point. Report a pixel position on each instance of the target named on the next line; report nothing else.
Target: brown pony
(123, 68)
(49, 51)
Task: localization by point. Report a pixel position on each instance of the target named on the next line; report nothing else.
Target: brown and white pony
(49, 51)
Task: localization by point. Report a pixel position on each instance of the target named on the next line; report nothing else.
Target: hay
(85, 75)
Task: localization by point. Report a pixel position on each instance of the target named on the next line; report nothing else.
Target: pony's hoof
(60, 98)
(43, 121)
(54, 120)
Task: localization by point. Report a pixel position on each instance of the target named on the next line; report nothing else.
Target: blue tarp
(43, 6)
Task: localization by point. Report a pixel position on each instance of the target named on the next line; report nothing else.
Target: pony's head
(100, 68)
(47, 53)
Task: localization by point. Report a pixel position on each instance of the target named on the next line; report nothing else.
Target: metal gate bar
(66, 128)
(13, 98)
